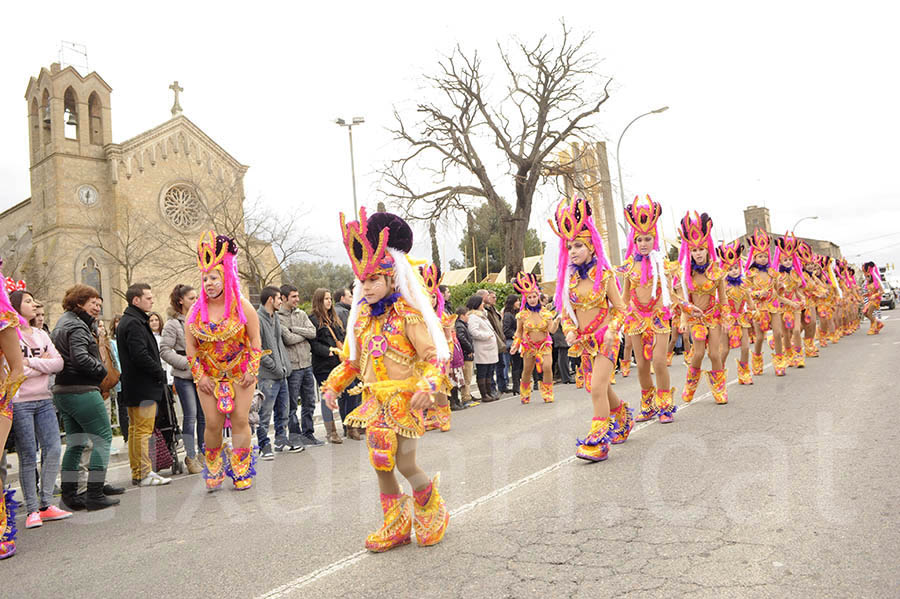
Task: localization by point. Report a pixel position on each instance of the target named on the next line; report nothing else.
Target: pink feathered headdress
(786, 247)
(574, 221)
(643, 218)
(696, 232)
(217, 252)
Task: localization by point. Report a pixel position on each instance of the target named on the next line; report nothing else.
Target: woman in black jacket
(510, 308)
(330, 336)
(76, 395)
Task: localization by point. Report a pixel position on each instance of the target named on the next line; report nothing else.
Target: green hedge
(459, 294)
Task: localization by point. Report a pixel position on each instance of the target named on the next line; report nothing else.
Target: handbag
(337, 341)
(112, 373)
(161, 456)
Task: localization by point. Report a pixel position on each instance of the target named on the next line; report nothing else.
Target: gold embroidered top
(393, 346)
(709, 280)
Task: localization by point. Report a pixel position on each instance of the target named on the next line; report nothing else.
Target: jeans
(34, 422)
(275, 398)
(485, 371)
(141, 420)
(302, 386)
(502, 372)
(84, 417)
(346, 402)
(192, 416)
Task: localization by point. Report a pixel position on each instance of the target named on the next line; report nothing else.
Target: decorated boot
(744, 377)
(214, 469)
(612, 376)
(622, 421)
(717, 384)
(788, 356)
(579, 379)
(809, 348)
(799, 359)
(443, 417)
(625, 368)
(241, 467)
(648, 404)
(397, 528)
(595, 447)
(547, 392)
(432, 515)
(756, 361)
(690, 384)
(822, 338)
(8, 530)
(779, 364)
(525, 391)
(669, 357)
(665, 406)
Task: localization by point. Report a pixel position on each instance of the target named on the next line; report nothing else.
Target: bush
(459, 294)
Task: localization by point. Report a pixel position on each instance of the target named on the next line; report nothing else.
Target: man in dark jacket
(143, 381)
(468, 350)
(273, 372)
(493, 316)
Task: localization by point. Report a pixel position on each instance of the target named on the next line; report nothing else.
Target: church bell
(47, 114)
(73, 120)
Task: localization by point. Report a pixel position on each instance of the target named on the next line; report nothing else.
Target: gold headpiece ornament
(730, 253)
(643, 217)
(572, 221)
(526, 283)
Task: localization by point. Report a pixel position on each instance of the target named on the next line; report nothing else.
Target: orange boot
(744, 377)
(595, 447)
(621, 423)
(810, 350)
(799, 360)
(666, 406)
(443, 417)
(756, 361)
(690, 384)
(240, 467)
(525, 391)
(669, 357)
(718, 385)
(214, 469)
(432, 516)
(779, 363)
(625, 368)
(648, 404)
(397, 528)
(547, 392)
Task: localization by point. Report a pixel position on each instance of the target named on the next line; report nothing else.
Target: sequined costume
(653, 273)
(792, 281)
(702, 281)
(534, 325)
(739, 306)
(765, 290)
(394, 348)
(582, 291)
(225, 354)
(9, 386)
(873, 290)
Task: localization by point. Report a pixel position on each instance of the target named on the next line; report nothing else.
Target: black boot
(95, 499)
(455, 404)
(71, 498)
(111, 490)
(484, 389)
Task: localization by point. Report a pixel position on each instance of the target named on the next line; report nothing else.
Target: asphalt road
(790, 489)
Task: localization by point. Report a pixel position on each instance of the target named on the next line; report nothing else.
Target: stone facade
(757, 217)
(108, 213)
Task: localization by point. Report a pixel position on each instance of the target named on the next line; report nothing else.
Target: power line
(872, 238)
(876, 250)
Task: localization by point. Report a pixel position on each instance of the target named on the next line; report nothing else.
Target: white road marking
(355, 558)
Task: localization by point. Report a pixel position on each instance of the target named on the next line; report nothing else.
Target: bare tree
(546, 102)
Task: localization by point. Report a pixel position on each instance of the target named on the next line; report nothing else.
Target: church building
(109, 214)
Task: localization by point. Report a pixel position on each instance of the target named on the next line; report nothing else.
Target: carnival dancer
(874, 289)
(765, 290)
(827, 307)
(814, 293)
(223, 346)
(740, 307)
(12, 375)
(791, 281)
(438, 416)
(395, 345)
(705, 304)
(647, 293)
(587, 297)
(535, 324)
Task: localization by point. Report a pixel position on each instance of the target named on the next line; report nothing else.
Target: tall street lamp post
(619, 159)
(794, 229)
(357, 120)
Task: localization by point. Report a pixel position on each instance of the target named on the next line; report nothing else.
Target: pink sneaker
(33, 520)
(54, 513)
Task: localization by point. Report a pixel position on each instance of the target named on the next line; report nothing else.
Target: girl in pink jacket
(34, 416)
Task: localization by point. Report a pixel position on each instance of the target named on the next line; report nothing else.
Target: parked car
(888, 297)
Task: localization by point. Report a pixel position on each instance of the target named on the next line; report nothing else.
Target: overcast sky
(789, 104)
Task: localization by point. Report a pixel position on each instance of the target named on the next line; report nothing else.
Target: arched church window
(181, 207)
(70, 106)
(90, 275)
(95, 110)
